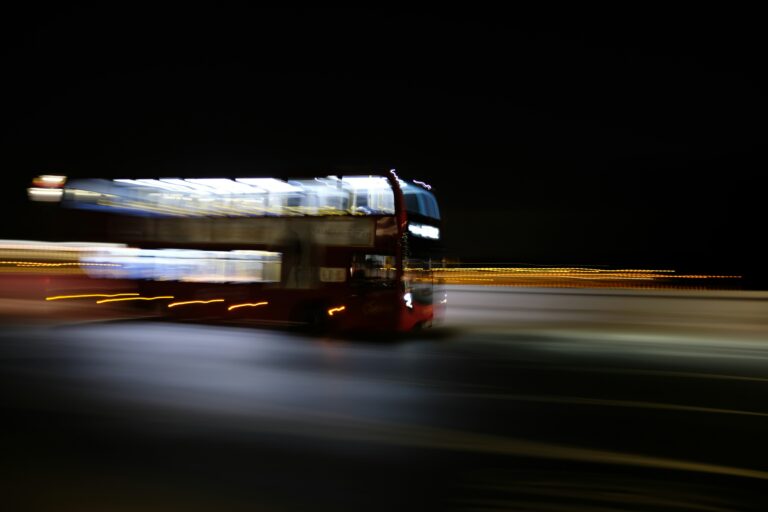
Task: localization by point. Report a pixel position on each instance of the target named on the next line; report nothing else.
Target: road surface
(524, 399)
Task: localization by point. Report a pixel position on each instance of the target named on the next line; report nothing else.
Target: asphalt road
(523, 400)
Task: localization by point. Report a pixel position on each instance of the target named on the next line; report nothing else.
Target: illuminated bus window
(373, 267)
(418, 280)
(186, 265)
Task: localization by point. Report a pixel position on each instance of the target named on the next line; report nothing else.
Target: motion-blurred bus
(331, 252)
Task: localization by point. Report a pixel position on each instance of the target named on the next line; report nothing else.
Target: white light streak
(366, 182)
(49, 195)
(424, 231)
(269, 184)
(224, 186)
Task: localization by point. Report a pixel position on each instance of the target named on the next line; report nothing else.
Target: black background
(603, 138)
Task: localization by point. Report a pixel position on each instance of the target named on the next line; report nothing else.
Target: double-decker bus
(331, 252)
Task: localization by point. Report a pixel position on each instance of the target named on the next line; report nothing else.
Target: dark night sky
(636, 142)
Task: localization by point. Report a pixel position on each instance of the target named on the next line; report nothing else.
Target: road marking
(577, 400)
(657, 373)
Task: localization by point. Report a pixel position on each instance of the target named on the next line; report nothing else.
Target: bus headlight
(408, 299)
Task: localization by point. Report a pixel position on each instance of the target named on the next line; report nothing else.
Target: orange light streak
(174, 304)
(135, 298)
(247, 305)
(89, 295)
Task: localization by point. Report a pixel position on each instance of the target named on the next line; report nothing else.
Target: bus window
(432, 209)
(418, 280)
(412, 203)
(421, 202)
(373, 268)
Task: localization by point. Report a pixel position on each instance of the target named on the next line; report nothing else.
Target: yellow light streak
(89, 295)
(247, 305)
(174, 304)
(135, 298)
(570, 277)
(333, 311)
